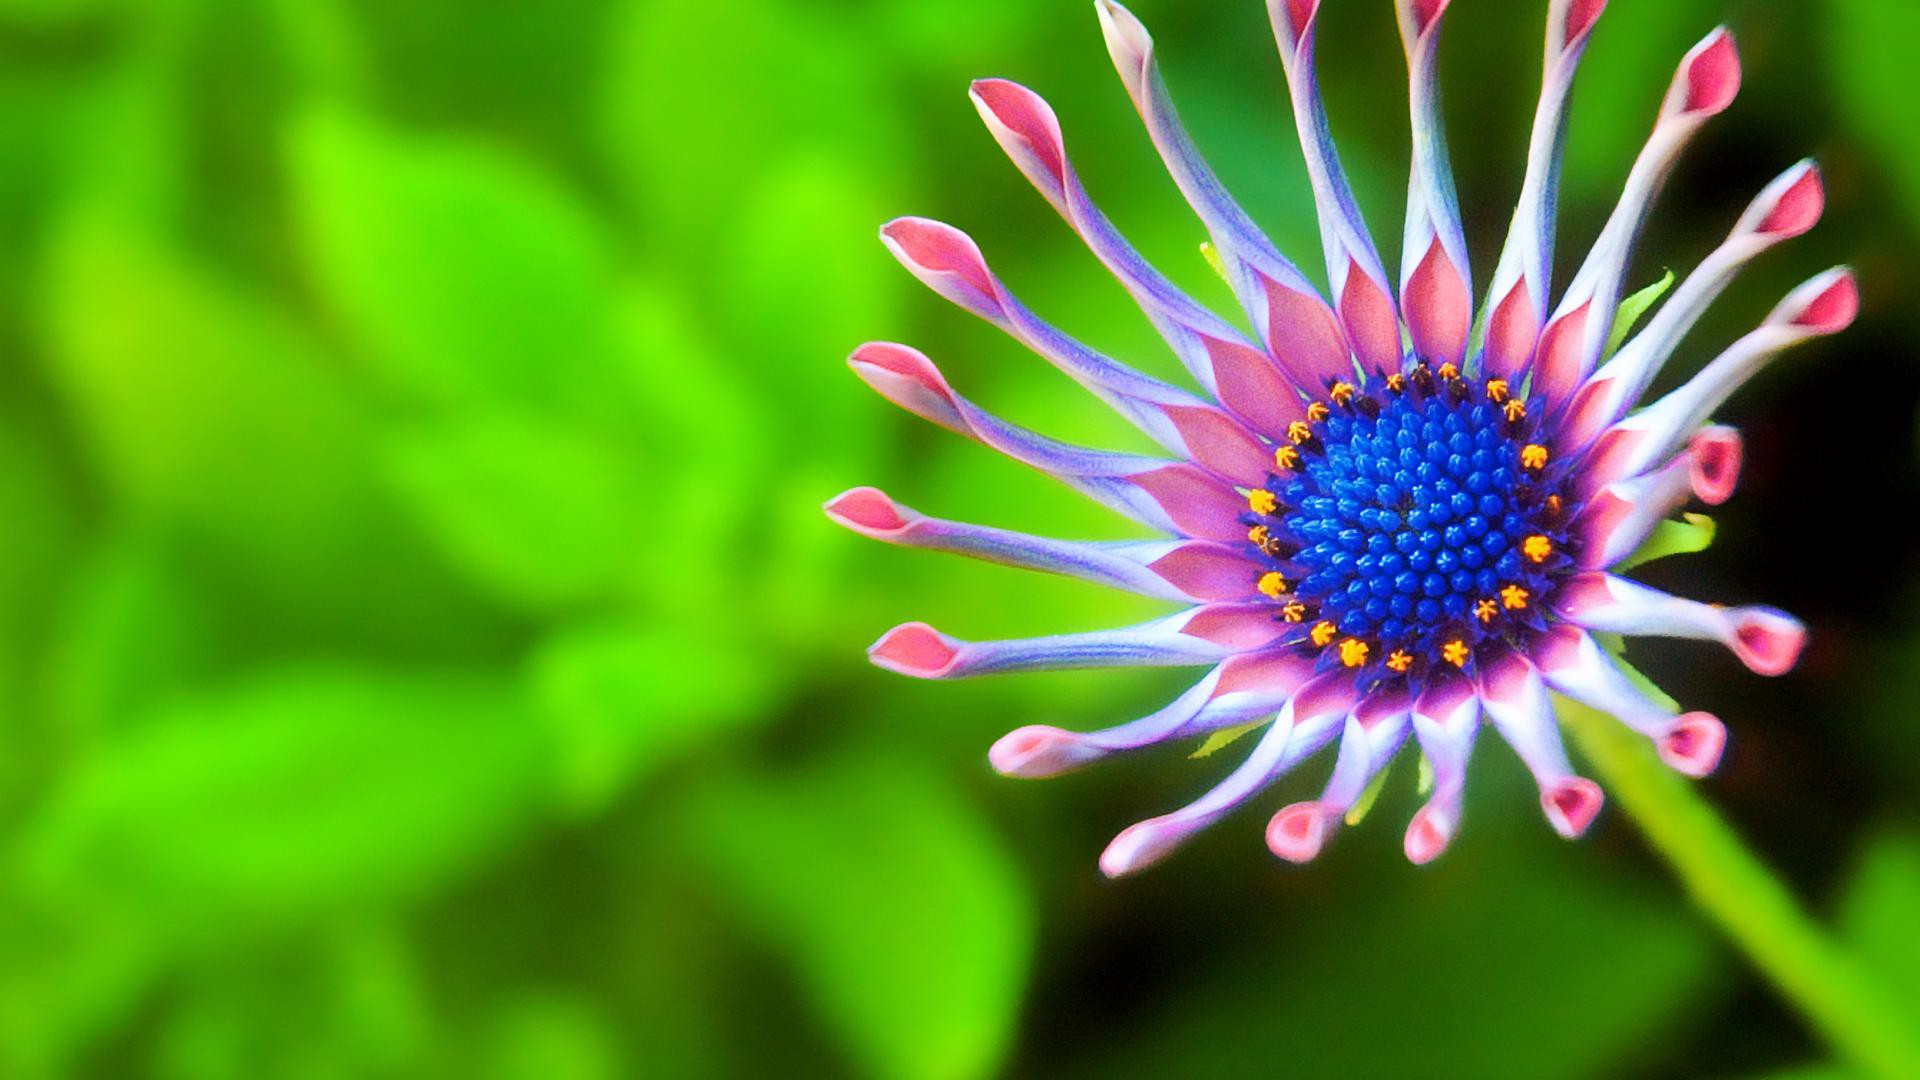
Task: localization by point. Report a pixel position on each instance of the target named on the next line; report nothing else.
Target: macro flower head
(1389, 512)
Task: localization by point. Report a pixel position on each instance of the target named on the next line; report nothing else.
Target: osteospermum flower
(1385, 517)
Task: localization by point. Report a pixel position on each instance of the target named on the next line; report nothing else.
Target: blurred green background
(423, 654)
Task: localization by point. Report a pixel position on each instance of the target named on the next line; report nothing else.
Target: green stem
(1847, 1005)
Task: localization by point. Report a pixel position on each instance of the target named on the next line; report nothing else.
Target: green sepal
(1365, 802)
(1212, 255)
(1694, 533)
(1632, 308)
(1222, 737)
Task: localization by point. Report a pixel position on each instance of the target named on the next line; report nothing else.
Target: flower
(1383, 519)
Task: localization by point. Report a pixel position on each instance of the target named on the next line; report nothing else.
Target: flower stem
(1818, 976)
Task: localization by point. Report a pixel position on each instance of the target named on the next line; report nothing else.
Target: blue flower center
(1416, 524)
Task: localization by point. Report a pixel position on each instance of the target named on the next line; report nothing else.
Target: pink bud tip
(865, 510)
(1834, 309)
(938, 247)
(1426, 13)
(1297, 13)
(1799, 207)
(914, 649)
(1716, 456)
(899, 360)
(1571, 805)
(1694, 744)
(1767, 640)
(1025, 114)
(1140, 846)
(1038, 751)
(1713, 74)
(1297, 833)
(1124, 33)
(1429, 834)
(1581, 15)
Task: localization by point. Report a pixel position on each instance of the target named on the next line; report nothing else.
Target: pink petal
(1438, 308)
(1209, 571)
(1371, 322)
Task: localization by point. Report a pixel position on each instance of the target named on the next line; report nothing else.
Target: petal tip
(1571, 805)
(1834, 306)
(1035, 752)
(1124, 32)
(1711, 74)
(1425, 13)
(1693, 746)
(1799, 204)
(1715, 469)
(1294, 16)
(1138, 847)
(865, 510)
(914, 649)
(1767, 640)
(1581, 15)
(1298, 832)
(1428, 835)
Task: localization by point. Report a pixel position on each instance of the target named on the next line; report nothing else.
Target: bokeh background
(422, 653)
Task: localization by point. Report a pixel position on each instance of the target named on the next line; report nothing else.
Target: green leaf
(1877, 911)
(466, 274)
(135, 629)
(901, 912)
(543, 517)
(37, 551)
(688, 168)
(1693, 533)
(1632, 308)
(200, 404)
(359, 993)
(620, 700)
(299, 791)
(215, 421)
(1224, 737)
(552, 1035)
(1870, 59)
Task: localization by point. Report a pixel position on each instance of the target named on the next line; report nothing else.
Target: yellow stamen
(1317, 411)
(1514, 598)
(1261, 501)
(1353, 652)
(1455, 652)
(1299, 431)
(1554, 504)
(1295, 611)
(1342, 393)
(1533, 456)
(1258, 536)
(1485, 609)
(1496, 390)
(1397, 382)
(1449, 371)
(1274, 584)
(1516, 411)
(1399, 660)
(1322, 632)
(1536, 548)
(1286, 458)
